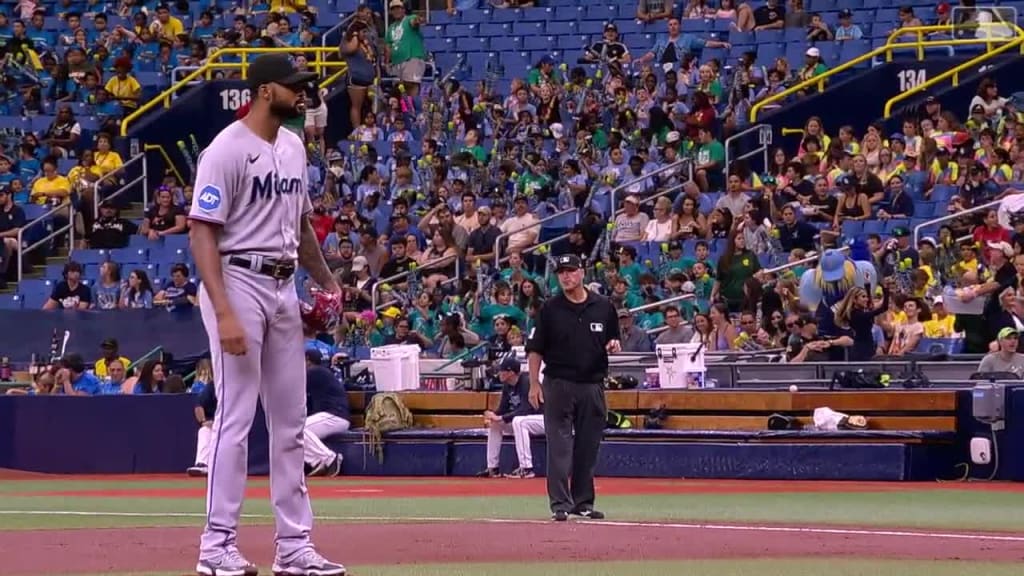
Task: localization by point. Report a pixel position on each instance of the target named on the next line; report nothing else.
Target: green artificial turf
(764, 567)
(934, 509)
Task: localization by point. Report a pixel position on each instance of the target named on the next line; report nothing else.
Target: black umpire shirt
(572, 337)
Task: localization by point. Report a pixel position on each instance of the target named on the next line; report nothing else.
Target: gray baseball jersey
(256, 191)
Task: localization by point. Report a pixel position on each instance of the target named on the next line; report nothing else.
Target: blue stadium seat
(90, 256)
(10, 302)
(128, 255)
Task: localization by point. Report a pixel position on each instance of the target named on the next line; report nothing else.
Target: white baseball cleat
(231, 563)
(308, 563)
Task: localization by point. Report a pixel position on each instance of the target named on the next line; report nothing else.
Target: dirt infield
(149, 549)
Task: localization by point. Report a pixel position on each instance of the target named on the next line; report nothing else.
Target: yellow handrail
(319, 64)
(167, 160)
(919, 43)
(952, 72)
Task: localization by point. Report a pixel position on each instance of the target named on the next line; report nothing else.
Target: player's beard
(286, 111)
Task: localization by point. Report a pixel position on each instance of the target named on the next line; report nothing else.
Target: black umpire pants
(574, 419)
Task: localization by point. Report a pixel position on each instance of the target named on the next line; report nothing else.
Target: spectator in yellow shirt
(51, 187)
(166, 27)
(109, 348)
(123, 86)
(107, 160)
(941, 324)
(288, 6)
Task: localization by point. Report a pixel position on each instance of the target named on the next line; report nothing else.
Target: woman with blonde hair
(663, 226)
(856, 315)
(203, 376)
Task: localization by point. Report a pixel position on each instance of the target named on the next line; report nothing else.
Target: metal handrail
(661, 303)
(167, 160)
(614, 193)
(953, 73)
(764, 140)
(140, 157)
(212, 63)
(954, 216)
(920, 44)
(504, 235)
(801, 262)
(69, 228)
(653, 197)
(157, 350)
(375, 290)
(344, 21)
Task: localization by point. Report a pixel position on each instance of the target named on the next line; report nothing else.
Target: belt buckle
(281, 271)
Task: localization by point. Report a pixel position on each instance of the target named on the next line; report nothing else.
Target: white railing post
(503, 235)
(764, 140)
(140, 157)
(69, 228)
(954, 216)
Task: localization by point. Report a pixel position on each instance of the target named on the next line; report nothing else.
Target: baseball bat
(64, 344)
(188, 159)
(195, 146)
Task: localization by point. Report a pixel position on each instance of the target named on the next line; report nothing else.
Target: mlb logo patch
(209, 197)
(596, 327)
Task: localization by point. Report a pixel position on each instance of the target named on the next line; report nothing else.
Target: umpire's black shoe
(589, 514)
(559, 516)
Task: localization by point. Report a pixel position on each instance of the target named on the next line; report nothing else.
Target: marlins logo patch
(209, 197)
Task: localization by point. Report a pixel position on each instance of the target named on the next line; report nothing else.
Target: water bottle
(5, 370)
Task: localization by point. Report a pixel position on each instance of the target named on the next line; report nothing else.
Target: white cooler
(680, 365)
(396, 367)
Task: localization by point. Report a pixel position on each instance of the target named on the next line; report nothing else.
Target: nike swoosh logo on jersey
(252, 159)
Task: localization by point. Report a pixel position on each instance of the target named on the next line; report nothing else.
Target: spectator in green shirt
(543, 73)
(404, 48)
(710, 162)
(813, 66)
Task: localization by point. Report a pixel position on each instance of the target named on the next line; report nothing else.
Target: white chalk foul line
(634, 524)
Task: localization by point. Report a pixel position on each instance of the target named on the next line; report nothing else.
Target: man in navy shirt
(12, 218)
(73, 380)
(796, 233)
(327, 414)
(514, 414)
(205, 408)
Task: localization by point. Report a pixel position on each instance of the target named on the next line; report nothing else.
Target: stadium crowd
(445, 240)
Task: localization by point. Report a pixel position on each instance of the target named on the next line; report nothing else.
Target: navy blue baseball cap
(509, 364)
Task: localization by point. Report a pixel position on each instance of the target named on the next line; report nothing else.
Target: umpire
(573, 334)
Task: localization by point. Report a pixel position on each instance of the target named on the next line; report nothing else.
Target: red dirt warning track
(37, 553)
(357, 487)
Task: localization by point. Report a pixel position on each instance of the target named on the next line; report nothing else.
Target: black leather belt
(277, 269)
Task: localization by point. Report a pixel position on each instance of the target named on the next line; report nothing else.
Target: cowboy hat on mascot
(832, 278)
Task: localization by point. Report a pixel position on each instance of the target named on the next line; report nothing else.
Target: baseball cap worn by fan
(568, 262)
(277, 69)
(1008, 332)
(1003, 247)
(359, 263)
(509, 365)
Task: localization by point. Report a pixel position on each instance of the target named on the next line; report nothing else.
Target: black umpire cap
(568, 262)
(276, 69)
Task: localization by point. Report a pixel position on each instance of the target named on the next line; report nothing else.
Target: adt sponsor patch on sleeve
(209, 197)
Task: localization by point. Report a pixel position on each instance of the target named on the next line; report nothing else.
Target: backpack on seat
(385, 413)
